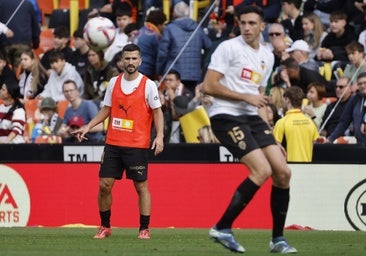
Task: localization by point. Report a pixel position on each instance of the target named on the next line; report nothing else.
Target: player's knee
(105, 187)
(282, 178)
(261, 175)
(141, 187)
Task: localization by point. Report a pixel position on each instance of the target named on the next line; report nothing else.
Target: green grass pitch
(170, 242)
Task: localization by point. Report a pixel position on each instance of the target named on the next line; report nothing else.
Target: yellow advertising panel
(192, 122)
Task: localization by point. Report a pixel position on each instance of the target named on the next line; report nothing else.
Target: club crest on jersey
(251, 75)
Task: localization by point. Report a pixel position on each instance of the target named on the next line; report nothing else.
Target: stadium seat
(62, 105)
(31, 109)
(32, 115)
(48, 139)
(45, 42)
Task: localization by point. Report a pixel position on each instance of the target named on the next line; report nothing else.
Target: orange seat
(31, 109)
(62, 105)
(49, 139)
(32, 115)
(45, 41)
(329, 100)
(46, 6)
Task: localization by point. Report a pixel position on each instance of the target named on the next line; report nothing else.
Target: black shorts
(242, 134)
(117, 159)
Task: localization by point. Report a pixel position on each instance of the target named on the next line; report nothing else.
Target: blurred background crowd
(53, 82)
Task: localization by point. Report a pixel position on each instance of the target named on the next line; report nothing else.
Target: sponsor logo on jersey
(251, 75)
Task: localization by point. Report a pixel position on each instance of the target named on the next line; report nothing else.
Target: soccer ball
(99, 33)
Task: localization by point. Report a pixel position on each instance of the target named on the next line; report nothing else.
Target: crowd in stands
(318, 45)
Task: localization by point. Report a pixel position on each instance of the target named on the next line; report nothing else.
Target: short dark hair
(296, 3)
(295, 95)
(290, 63)
(55, 56)
(361, 75)
(174, 72)
(61, 32)
(78, 33)
(131, 27)
(130, 48)
(250, 9)
(69, 81)
(156, 17)
(338, 15)
(354, 46)
(123, 9)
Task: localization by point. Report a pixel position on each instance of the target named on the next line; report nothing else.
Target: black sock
(144, 222)
(279, 205)
(242, 196)
(105, 218)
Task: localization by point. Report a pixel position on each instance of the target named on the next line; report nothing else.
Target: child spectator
(123, 18)
(50, 123)
(34, 76)
(60, 72)
(61, 42)
(341, 34)
(356, 56)
(12, 113)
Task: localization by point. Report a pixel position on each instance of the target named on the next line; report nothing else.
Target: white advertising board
(328, 197)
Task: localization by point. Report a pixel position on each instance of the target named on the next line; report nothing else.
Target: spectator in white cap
(300, 50)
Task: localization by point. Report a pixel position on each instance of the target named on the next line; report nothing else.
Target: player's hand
(259, 100)
(157, 145)
(80, 133)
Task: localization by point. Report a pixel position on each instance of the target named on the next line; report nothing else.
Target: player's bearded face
(131, 62)
(130, 68)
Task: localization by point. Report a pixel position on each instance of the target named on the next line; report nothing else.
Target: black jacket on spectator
(336, 115)
(295, 31)
(338, 44)
(307, 76)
